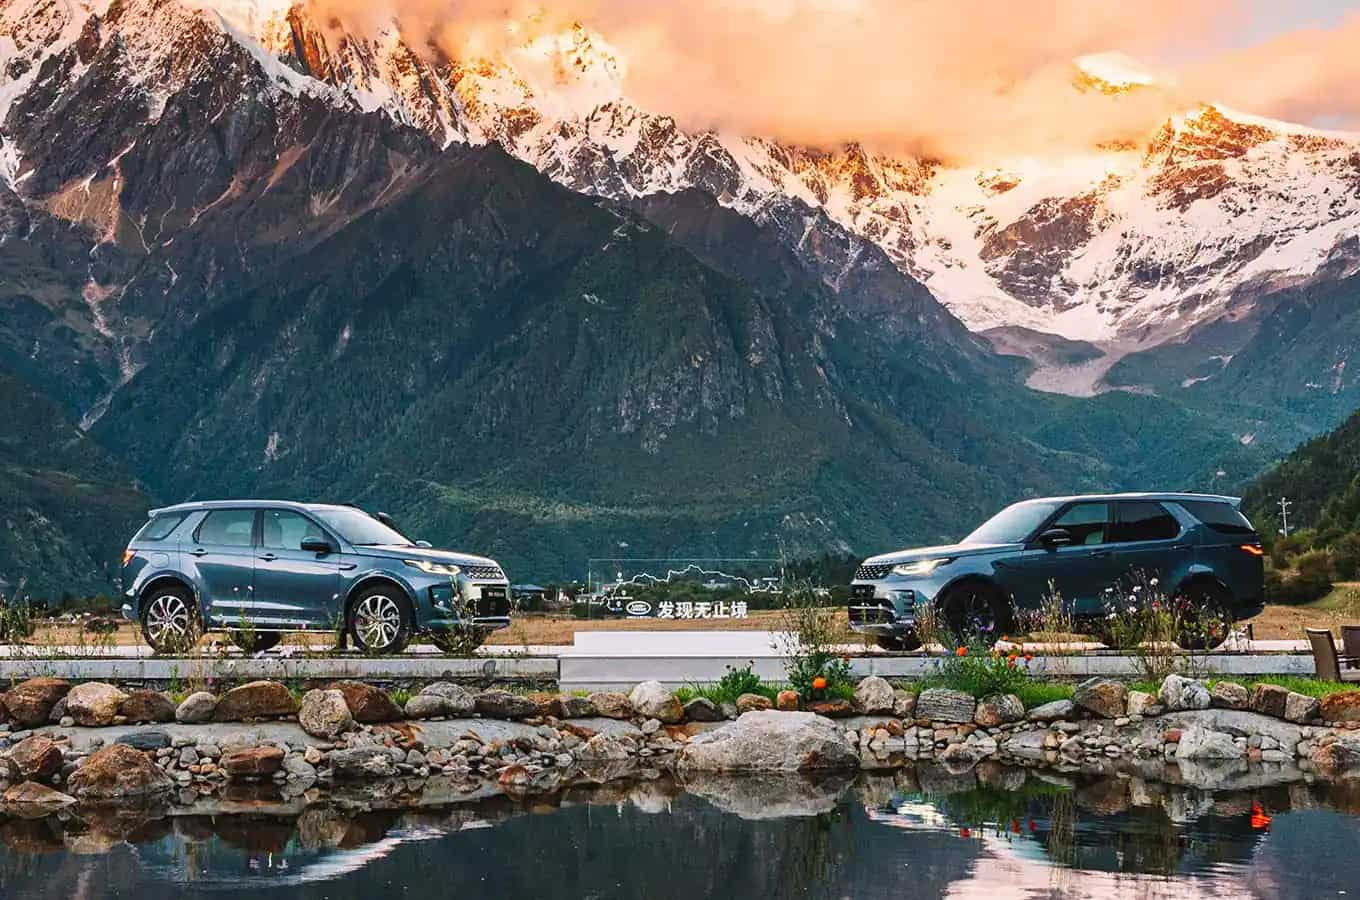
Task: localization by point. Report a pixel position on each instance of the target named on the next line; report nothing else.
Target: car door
(222, 550)
(1148, 543)
(1079, 571)
(294, 588)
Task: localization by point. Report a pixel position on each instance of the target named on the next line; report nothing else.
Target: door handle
(268, 557)
(199, 552)
(1101, 554)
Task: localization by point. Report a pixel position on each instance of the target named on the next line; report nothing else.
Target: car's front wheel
(170, 620)
(1202, 617)
(974, 611)
(381, 620)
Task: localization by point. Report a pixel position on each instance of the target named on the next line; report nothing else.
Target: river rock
(1300, 708)
(1229, 695)
(944, 705)
(421, 706)
(1139, 702)
(788, 701)
(196, 708)
(458, 701)
(255, 700)
(1339, 755)
(904, 704)
(363, 762)
(606, 748)
(1053, 711)
(769, 741)
(702, 709)
(1103, 697)
(32, 798)
(504, 705)
(1179, 693)
(612, 704)
(874, 696)
(118, 772)
(998, 709)
(1269, 700)
(58, 712)
(1202, 743)
(832, 709)
(569, 706)
(752, 703)
(252, 762)
(367, 704)
(146, 740)
(36, 757)
(653, 701)
(30, 702)
(147, 706)
(94, 704)
(1341, 706)
(325, 714)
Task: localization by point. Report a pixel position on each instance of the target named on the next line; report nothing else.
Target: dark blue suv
(1203, 552)
(258, 568)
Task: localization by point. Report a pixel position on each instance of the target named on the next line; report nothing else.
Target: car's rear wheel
(899, 642)
(1202, 615)
(255, 641)
(170, 621)
(974, 611)
(460, 641)
(381, 620)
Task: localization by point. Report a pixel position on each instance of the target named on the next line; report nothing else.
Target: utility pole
(1284, 515)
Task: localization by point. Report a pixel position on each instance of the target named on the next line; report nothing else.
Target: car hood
(952, 551)
(398, 551)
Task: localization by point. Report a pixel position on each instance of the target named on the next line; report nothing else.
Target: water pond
(915, 833)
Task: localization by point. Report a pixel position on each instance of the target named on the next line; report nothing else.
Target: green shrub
(734, 683)
(1295, 589)
(1346, 556)
(981, 672)
(808, 639)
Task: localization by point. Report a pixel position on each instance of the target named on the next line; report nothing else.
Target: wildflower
(962, 651)
(1010, 661)
(965, 833)
(819, 683)
(1005, 639)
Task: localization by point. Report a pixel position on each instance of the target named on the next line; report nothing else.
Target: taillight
(1253, 549)
(128, 554)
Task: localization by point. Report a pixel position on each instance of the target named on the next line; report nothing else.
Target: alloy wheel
(377, 621)
(169, 622)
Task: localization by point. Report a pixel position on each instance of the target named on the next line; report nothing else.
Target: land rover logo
(637, 608)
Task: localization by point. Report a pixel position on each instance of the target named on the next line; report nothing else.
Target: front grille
(494, 602)
(872, 573)
(484, 573)
(873, 614)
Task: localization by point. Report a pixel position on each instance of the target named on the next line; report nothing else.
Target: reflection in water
(924, 832)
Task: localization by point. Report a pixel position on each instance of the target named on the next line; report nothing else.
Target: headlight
(430, 567)
(919, 566)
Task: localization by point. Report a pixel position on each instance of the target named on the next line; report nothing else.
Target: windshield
(359, 528)
(1014, 524)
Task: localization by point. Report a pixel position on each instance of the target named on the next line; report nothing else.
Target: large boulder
(1102, 697)
(1300, 708)
(702, 709)
(457, 701)
(30, 702)
(35, 757)
(612, 704)
(366, 703)
(255, 700)
(1339, 755)
(252, 762)
(1203, 743)
(324, 714)
(1229, 695)
(769, 741)
(1342, 706)
(874, 696)
(147, 706)
(1139, 702)
(196, 708)
(653, 701)
(33, 799)
(1269, 700)
(1179, 693)
(94, 704)
(998, 709)
(421, 706)
(1053, 711)
(504, 705)
(944, 705)
(118, 772)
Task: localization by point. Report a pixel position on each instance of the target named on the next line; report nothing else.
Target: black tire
(170, 622)
(461, 641)
(899, 642)
(255, 641)
(381, 620)
(974, 610)
(1203, 606)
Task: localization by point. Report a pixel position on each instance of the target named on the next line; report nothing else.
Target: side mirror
(318, 545)
(424, 545)
(1056, 537)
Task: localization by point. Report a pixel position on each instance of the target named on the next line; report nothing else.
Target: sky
(949, 78)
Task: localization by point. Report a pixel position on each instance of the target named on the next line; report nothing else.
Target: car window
(283, 529)
(227, 527)
(1087, 522)
(1013, 524)
(1143, 520)
(1221, 517)
(158, 528)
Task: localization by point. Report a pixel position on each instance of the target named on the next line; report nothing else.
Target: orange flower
(1029, 657)
(819, 683)
(1005, 639)
(962, 651)
(1010, 662)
